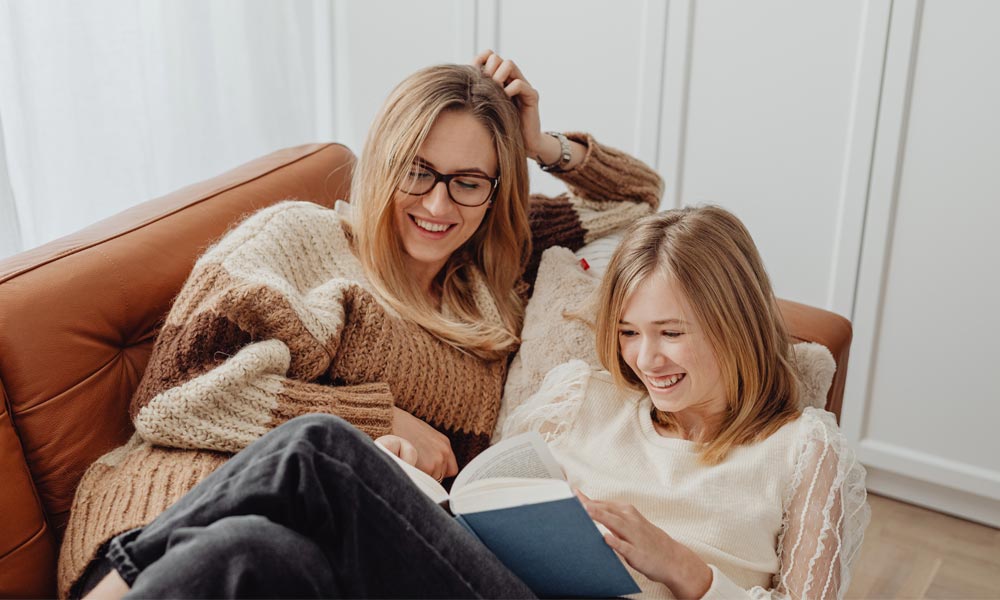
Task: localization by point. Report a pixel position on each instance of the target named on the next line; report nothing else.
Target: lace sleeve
(551, 410)
(826, 514)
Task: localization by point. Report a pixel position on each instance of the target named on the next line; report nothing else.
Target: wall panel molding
(467, 29)
(858, 157)
(899, 468)
(880, 213)
(487, 25)
(652, 49)
(676, 86)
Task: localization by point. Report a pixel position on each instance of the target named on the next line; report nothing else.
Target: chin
(663, 404)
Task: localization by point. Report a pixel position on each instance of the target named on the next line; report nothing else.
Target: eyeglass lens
(467, 189)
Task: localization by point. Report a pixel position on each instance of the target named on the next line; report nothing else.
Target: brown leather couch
(78, 317)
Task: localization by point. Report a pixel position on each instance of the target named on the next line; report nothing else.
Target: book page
(522, 456)
(423, 481)
(507, 492)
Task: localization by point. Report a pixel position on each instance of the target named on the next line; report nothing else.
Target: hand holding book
(513, 497)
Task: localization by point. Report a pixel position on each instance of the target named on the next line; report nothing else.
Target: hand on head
(507, 74)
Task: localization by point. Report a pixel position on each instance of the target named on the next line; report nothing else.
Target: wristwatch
(564, 155)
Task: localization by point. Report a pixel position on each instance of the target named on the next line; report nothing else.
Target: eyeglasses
(467, 189)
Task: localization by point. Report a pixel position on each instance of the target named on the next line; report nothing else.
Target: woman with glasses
(396, 314)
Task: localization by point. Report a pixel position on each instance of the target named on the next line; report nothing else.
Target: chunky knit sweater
(278, 319)
(783, 517)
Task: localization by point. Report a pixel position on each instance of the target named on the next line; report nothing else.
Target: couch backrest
(78, 318)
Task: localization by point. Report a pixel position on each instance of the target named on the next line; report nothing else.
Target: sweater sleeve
(826, 514)
(553, 408)
(608, 191)
(246, 344)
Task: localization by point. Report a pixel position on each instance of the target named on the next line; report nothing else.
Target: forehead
(457, 141)
(657, 298)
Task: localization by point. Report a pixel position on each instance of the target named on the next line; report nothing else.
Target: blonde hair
(711, 255)
(497, 252)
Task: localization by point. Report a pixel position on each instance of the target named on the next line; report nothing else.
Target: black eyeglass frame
(438, 177)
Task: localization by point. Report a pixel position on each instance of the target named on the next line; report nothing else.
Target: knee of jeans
(249, 539)
(317, 426)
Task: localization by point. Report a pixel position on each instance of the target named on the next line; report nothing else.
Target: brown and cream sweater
(277, 320)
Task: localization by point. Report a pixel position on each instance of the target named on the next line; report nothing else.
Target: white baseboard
(943, 499)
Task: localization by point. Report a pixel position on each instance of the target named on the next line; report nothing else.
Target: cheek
(471, 223)
(708, 367)
(628, 350)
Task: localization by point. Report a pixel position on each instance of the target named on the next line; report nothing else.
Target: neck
(687, 424)
(424, 276)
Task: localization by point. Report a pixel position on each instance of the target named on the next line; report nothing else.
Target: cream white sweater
(783, 517)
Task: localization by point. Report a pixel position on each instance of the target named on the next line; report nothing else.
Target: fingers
(390, 442)
(608, 517)
(623, 520)
(442, 462)
(521, 89)
(408, 452)
(433, 448)
(452, 464)
(480, 59)
(503, 71)
(400, 447)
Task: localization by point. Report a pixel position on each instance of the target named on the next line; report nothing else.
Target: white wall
(923, 405)
(858, 139)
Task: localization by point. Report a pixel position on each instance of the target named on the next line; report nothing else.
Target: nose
(437, 201)
(650, 358)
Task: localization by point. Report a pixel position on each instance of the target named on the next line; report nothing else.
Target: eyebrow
(424, 161)
(659, 322)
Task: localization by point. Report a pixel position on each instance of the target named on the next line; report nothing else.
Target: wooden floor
(912, 552)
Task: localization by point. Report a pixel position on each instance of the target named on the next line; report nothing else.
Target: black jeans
(312, 509)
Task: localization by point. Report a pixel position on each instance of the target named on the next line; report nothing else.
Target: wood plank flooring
(913, 552)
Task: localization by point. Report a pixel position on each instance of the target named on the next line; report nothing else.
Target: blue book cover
(554, 547)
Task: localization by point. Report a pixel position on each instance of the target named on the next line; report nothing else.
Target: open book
(515, 499)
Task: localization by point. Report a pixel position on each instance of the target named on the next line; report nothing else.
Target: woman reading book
(397, 315)
(691, 449)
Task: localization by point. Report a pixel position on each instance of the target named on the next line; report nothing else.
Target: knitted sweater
(278, 319)
(783, 517)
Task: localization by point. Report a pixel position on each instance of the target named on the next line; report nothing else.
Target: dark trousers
(312, 509)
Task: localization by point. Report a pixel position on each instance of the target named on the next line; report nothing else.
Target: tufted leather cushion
(78, 318)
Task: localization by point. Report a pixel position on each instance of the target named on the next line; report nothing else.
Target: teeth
(665, 383)
(430, 226)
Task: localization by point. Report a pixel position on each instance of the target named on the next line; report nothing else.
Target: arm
(608, 188)
(553, 407)
(245, 343)
(826, 514)
(825, 518)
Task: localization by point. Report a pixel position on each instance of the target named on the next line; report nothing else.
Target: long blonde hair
(711, 255)
(497, 252)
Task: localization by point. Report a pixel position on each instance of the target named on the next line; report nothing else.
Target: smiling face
(431, 226)
(668, 351)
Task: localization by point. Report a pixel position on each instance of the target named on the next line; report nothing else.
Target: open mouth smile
(430, 227)
(665, 383)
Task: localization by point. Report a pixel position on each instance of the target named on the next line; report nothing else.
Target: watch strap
(565, 155)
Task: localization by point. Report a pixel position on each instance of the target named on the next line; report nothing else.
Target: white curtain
(107, 103)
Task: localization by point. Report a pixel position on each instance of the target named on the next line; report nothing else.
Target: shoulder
(288, 237)
(287, 220)
(818, 440)
(818, 423)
